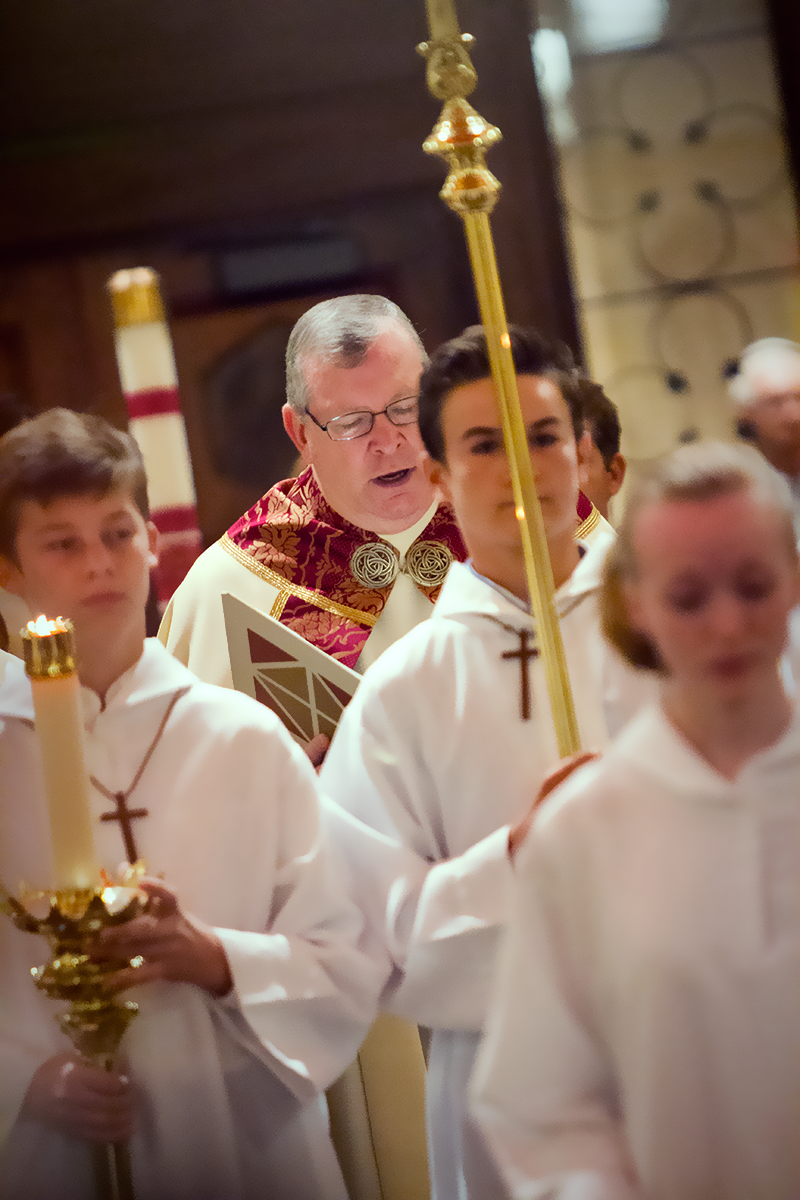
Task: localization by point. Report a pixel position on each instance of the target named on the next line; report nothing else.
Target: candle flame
(42, 627)
(505, 341)
(520, 512)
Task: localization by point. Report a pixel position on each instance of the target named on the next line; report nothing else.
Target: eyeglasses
(358, 424)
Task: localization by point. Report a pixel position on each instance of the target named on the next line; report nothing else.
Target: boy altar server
(251, 994)
(645, 1039)
(444, 745)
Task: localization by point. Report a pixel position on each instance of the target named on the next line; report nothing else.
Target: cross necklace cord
(122, 813)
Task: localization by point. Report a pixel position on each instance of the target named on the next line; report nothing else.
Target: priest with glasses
(353, 552)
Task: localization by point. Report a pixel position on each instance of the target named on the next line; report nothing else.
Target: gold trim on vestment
(588, 525)
(293, 589)
(279, 604)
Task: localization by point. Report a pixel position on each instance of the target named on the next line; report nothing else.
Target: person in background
(766, 389)
(605, 465)
(643, 1038)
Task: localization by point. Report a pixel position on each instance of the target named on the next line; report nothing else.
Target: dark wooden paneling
(162, 133)
(162, 121)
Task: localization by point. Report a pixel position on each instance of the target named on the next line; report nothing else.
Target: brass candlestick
(95, 1020)
(462, 137)
(79, 906)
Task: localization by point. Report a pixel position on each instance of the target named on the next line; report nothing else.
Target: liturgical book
(304, 686)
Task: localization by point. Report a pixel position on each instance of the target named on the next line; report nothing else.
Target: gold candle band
(49, 651)
(136, 297)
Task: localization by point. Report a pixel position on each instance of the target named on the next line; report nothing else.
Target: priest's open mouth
(394, 477)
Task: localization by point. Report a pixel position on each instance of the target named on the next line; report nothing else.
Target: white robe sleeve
(302, 984)
(443, 915)
(542, 1088)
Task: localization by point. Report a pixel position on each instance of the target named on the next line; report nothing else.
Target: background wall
(258, 155)
(262, 155)
(678, 201)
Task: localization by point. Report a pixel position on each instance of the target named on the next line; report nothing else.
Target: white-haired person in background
(766, 389)
(645, 1035)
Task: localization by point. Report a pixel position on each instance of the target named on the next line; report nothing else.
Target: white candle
(442, 19)
(50, 663)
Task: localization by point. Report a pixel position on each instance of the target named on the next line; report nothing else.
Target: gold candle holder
(80, 905)
(95, 1020)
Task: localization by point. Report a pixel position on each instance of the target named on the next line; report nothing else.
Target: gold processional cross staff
(462, 137)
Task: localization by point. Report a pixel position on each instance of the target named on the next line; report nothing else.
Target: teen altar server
(449, 735)
(251, 995)
(645, 1037)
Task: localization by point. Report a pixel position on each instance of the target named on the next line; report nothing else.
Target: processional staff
(462, 137)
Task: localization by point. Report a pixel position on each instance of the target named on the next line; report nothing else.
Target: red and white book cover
(305, 687)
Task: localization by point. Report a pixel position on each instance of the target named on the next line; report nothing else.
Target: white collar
(406, 537)
(653, 744)
(155, 673)
(466, 592)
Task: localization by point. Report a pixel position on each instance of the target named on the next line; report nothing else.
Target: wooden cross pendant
(524, 654)
(125, 815)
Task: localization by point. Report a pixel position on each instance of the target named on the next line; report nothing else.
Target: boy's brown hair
(601, 418)
(64, 453)
(701, 471)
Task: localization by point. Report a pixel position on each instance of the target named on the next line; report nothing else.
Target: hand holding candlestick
(163, 943)
(80, 1101)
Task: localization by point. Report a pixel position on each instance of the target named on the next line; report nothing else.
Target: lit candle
(49, 650)
(150, 383)
(442, 20)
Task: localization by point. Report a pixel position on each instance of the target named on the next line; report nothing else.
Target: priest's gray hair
(340, 331)
(696, 472)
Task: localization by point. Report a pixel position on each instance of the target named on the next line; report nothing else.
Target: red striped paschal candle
(150, 384)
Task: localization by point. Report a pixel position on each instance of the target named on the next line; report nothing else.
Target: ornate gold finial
(135, 297)
(462, 137)
(450, 71)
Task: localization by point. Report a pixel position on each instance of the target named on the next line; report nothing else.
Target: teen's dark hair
(465, 359)
(63, 453)
(601, 419)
